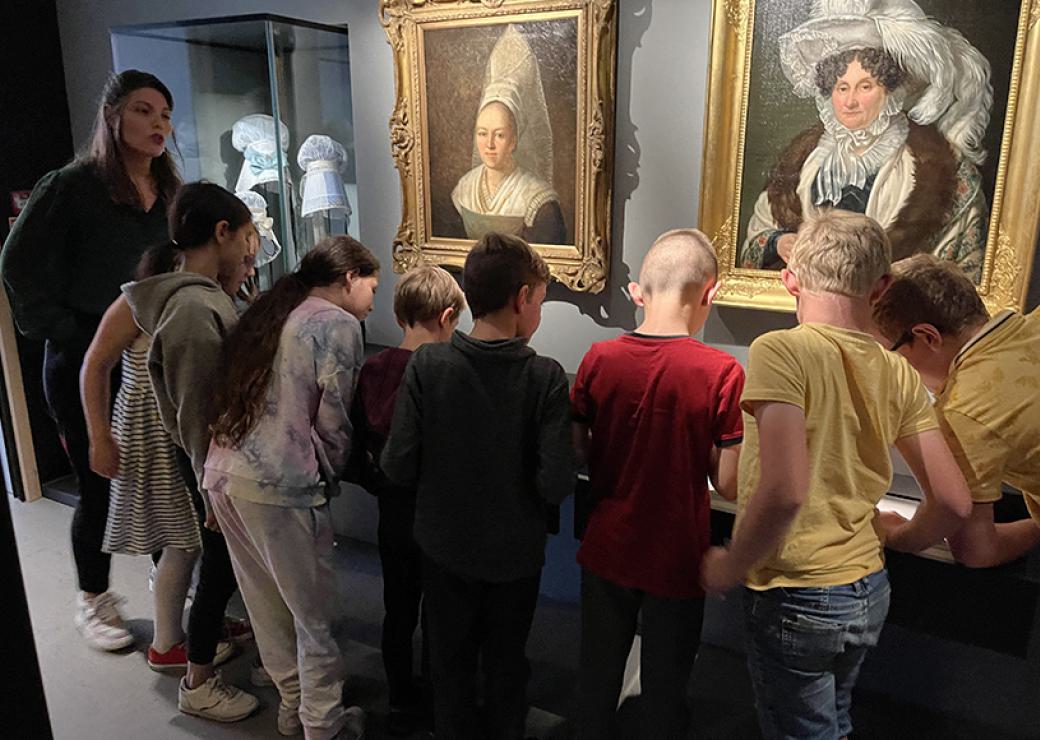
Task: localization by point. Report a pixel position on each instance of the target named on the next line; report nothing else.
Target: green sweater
(71, 249)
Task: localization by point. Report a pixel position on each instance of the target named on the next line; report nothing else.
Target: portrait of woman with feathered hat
(904, 103)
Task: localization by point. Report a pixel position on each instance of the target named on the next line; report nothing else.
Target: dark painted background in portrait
(776, 116)
(455, 63)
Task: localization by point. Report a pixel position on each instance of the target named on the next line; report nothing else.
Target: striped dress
(150, 507)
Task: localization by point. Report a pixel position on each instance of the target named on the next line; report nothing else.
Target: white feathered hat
(957, 95)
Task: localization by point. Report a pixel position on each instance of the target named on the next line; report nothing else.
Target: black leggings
(61, 366)
(216, 580)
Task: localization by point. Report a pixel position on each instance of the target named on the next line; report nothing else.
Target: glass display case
(262, 106)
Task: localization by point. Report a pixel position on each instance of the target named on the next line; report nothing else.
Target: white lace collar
(841, 165)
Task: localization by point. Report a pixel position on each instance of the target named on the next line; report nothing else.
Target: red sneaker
(175, 657)
(237, 630)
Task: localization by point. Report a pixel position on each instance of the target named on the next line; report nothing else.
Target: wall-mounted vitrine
(262, 105)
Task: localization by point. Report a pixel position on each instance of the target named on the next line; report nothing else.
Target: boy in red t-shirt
(427, 305)
(656, 414)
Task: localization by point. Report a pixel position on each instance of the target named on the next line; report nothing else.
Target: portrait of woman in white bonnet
(904, 104)
(509, 189)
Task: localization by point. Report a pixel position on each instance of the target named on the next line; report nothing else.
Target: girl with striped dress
(151, 508)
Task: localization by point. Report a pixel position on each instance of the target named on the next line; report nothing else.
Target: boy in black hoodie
(482, 431)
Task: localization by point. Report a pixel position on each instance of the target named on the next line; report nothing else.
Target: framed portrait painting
(920, 113)
(504, 122)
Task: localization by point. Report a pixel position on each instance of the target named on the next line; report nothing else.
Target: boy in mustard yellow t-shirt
(985, 373)
(823, 404)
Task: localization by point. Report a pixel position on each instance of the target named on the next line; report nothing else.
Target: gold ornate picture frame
(748, 103)
(550, 64)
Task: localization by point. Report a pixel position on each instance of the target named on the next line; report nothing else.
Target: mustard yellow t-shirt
(858, 399)
(989, 408)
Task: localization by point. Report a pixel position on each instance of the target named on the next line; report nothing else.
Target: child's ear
(221, 231)
(928, 334)
(522, 296)
(790, 281)
(709, 293)
(446, 317)
(636, 293)
(880, 287)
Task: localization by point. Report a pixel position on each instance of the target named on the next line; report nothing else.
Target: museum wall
(662, 68)
(663, 57)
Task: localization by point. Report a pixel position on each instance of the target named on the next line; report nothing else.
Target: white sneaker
(100, 622)
(259, 677)
(216, 700)
(225, 652)
(289, 722)
(354, 728)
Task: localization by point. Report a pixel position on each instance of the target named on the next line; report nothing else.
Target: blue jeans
(805, 647)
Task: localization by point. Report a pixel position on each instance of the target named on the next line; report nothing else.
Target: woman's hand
(104, 456)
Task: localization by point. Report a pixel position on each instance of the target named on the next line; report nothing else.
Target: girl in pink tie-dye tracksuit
(280, 443)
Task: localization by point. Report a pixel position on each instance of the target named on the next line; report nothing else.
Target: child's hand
(719, 572)
(211, 522)
(889, 523)
(104, 457)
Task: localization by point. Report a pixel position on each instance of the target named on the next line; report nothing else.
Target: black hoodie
(482, 431)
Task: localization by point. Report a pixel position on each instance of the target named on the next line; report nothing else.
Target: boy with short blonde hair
(482, 430)
(427, 304)
(823, 404)
(984, 372)
(423, 294)
(657, 414)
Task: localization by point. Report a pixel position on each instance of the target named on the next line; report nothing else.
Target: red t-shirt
(656, 407)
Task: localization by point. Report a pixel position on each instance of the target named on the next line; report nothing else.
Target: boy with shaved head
(656, 413)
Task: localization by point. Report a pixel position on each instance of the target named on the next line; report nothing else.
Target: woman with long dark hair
(78, 239)
(280, 445)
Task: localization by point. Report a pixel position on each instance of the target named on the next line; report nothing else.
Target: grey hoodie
(188, 317)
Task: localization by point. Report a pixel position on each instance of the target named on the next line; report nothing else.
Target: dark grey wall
(662, 70)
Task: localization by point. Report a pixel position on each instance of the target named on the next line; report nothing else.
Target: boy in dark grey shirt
(482, 431)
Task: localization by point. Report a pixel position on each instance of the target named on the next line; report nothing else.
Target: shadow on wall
(613, 307)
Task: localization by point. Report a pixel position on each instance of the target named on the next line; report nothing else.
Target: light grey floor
(93, 695)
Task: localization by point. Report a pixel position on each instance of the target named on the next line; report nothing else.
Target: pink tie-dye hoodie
(300, 444)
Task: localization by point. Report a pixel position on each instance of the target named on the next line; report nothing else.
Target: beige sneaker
(225, 651)
(100, 622)
(289, 723)
(216, 700)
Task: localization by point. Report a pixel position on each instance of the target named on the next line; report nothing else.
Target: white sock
(171, 588)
